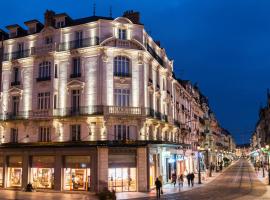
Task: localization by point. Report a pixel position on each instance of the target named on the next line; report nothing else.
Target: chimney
(132, 16)
(157, 42)
(49, 18)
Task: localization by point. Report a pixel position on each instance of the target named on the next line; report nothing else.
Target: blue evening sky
(223, 45)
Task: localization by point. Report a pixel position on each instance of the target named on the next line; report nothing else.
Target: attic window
(60, 24)
(13, 33)
(122, 34)
(32, 29)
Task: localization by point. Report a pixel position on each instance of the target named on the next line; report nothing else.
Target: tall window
(44, 134)
(48, 40)
(76, 68)
(60, 24)
(121, 66)
(122, 34)
(44, 100)
(20, 47)
(157, 79)
(15, 105)
(121, 132)
(75, 100)
(13, 135)
(78, 39)
(44, 71)
(121, 97)
(75, 132)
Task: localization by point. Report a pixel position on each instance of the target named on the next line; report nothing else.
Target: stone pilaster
(58, 172)
(102, 170)
(25, 169)
(142, 169)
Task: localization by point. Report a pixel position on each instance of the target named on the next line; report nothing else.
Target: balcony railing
(43, 49)
(78, 111)
(15, 115)
(120, 74)
(14, 83)
(75, 44)
(16, 55)
(119, 110)
(75, 75)
(43, 79)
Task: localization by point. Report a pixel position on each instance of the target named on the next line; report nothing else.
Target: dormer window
(32, 30)
(48, 40)
(13, 34)
(122, 34)
(60, 24)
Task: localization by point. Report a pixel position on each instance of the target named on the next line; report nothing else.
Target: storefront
(42, 172)
(180, 164)
(1, 171)
(77, 175)
(153, 169)
(122, 172)
(14, 174)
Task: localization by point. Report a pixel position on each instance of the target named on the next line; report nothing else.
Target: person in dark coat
(192, 176)
(188, 179)
(174, 179)
(158, 187)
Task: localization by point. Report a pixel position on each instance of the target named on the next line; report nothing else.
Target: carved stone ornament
(140, 58)
(104, 55)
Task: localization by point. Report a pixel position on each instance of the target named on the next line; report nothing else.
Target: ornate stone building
(91, 103)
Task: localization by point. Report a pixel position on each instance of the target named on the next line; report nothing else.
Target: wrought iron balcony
(121, 74)
(16, 55)
(78, 111)
(43, 49)
(14, 83)
(75, 44)
(15, 115)
(75, 75)
(39, 79)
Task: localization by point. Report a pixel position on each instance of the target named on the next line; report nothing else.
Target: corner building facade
(91, 103)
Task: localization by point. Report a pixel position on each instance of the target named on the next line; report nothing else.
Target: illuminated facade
(92, 103)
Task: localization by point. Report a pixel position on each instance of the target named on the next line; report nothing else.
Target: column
(25, 169)
(102, 168)
(58, 172)
(143, 179)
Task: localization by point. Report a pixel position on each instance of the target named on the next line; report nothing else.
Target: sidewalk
(167, 188)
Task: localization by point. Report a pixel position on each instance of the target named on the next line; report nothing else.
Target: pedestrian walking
(188, 178)
(192, 176)
(180, 181)
(174, 179)
(161, 180)
(158, 187)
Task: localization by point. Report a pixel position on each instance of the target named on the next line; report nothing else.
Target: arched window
(121, 66)
(44, 70)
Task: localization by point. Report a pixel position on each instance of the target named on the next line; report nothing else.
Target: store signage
(180, 157)
(171, 160)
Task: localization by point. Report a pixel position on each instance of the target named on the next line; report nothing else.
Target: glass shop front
(1, 171)
(122, 173)
(77, 174)
(42, 172)
(14, 175)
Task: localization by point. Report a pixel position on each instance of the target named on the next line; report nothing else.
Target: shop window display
(14, 177)
(122, 179)
(42, 178)
(77, 179)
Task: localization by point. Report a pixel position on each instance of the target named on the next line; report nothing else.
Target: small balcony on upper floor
(76, 44)
(15, 83)
(43, 49)
(122, 110)
(16, 55)
(19, 115)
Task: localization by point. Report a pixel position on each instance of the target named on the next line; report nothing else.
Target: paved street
(239, 182)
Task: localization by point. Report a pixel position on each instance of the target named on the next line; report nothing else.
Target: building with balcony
(91, 103)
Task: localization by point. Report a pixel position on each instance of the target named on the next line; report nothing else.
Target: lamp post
(216, 160)
(199, 166)
(209, 162)
(262, 162)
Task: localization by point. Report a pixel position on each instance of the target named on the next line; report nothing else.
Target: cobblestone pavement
(239, 182)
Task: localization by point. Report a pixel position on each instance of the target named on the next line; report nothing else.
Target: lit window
(121, 66)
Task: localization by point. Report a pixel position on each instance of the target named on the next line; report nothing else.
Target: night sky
(223, 45)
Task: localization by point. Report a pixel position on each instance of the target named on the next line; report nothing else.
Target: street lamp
(216, 160)
(209, 162)
(262, 162)
(199, 166)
